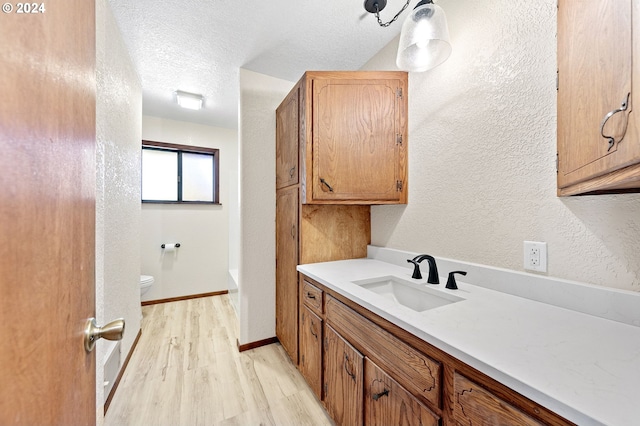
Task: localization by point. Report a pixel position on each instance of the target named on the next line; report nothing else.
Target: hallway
(186, 370)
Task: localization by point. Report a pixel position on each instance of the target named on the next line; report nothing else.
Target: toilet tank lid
(146, 279)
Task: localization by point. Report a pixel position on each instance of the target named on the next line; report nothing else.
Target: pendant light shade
(424, 40)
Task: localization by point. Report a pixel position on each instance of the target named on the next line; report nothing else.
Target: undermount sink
(414, 296)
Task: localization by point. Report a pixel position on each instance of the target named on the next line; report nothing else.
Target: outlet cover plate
(535, 256)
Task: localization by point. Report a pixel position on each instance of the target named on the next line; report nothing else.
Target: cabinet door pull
(293, 231)
(347, 368)
(292, 171)
(377, 396)
(315, 334)
(324, 182)
(611, 139)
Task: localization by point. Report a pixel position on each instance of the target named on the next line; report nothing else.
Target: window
(179, 174)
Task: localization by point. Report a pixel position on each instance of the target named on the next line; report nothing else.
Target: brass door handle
(111, 331)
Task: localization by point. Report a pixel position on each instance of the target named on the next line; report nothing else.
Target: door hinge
(302, 359)
(325, 388)
(557, 162)
(557, 80)
(398, 186)
(399, 92)
(398, 139)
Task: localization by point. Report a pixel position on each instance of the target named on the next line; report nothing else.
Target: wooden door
(357, 140)
(287, 140)
(594, 78)
(286, 274)
(388, 403)
(343, 378)
(311, 349)
(47, 214)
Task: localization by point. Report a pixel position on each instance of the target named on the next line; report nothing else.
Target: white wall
(482, 147)
(200, 265)
(118, 122)
(260, 95)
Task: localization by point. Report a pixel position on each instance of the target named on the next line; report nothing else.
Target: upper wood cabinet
(598, 133)
(351, 132)
(287, 135)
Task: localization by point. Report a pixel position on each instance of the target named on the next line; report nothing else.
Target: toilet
(145, 283)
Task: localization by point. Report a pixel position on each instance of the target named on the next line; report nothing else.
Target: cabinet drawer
(474, 405)
(312, 297)
(416, 372)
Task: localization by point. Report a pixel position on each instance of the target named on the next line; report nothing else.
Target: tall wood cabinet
(598, 131)
(341, 144)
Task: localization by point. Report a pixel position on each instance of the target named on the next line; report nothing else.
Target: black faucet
(433, 269)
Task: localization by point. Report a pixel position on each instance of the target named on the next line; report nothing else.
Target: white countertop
(585, 368)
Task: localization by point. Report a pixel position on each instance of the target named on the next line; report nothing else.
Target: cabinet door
(287, 140)
(286, 274)
(594, 78)
(388, 403)
(358, 151)
(343, 367)
(475, 406)
(311, 349)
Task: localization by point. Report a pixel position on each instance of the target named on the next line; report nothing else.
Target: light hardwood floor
(186, 370)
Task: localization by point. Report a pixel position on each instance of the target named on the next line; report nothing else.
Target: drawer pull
(324, 182)
(347, 367)
(377, 396)
(611, 139)
(311, 296)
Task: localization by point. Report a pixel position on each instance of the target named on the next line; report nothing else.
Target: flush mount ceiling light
(424, 40)
(189, 100)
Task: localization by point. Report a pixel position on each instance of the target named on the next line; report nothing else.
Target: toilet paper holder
(176, 245)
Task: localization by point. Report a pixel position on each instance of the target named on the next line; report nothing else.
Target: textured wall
(260, 95)
(200, 265)
(118, 121)
(482, 146)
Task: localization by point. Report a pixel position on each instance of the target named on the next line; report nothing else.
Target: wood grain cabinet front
(311, 330)
(286, 275)
(598, 132)
(358, 138)
(288, 140)
(476, 406)
(343, 378)
(386, 402)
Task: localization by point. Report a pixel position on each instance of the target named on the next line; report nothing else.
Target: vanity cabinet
(598, 133)
(375, 373)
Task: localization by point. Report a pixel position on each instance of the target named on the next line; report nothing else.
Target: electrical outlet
(535, 256)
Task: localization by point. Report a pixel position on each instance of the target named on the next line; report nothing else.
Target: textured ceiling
(200, 45)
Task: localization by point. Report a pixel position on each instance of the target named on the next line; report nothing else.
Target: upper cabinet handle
(324, 182)
(292, 171)
(611, 139)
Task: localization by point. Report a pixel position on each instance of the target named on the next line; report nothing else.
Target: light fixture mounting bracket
(373, 6)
